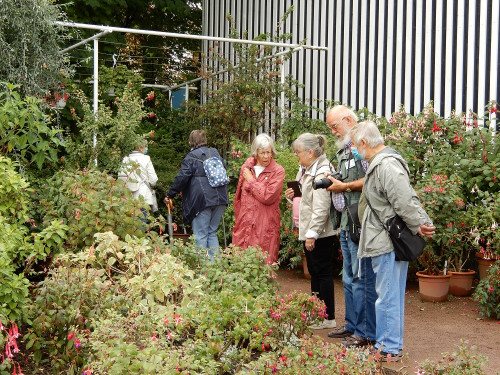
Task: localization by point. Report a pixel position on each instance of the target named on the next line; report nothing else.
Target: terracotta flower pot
(461, 282)
(484, 264)
(433, 288)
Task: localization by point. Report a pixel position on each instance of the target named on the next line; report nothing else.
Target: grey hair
(308, 141)
(346, 112)
(142, 143)
(261, 142)
(368, 131)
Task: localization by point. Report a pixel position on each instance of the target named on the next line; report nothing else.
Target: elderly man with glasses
(357, 274)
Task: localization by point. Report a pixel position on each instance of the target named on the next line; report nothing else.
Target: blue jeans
(205, 226)
(359, 290)
(390, 306)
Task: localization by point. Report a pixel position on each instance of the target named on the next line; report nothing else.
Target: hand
(289, 193)
(310, 244)
(168, 202)
(336, 186)
(427, 230)
(247, 174)
(175, 227)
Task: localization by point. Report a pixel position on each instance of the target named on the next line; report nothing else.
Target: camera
(325, 182)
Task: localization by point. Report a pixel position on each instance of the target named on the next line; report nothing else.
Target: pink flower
(77, 343)
(491, 289)
(178, 319)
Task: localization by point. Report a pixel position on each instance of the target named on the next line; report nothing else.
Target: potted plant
(433, 280)
(485, 234)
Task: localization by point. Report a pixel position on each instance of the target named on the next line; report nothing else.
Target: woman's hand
(247, 174)
(289, 193)
(310, 244)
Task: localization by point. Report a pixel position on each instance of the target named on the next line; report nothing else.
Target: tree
(161, 60)
(29, 45)
(246, 99)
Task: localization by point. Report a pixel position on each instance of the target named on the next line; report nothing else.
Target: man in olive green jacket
(388, 191)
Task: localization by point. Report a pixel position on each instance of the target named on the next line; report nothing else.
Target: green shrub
(463, 361)
(90, 201)
(68, 299)
(487, 293)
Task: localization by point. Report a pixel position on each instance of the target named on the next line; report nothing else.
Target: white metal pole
(184, 36)
(96, 87)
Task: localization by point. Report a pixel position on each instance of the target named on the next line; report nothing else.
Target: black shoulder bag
(407, 246)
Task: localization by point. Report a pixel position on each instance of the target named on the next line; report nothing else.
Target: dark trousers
(320, 265)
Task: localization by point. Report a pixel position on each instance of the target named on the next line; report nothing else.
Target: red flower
(493, 109)
(71, 335)
(77, 343)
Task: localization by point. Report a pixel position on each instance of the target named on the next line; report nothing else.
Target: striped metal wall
(382, 53)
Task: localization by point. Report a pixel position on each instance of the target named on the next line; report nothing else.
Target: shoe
(340, 332)
(326, 324)
(381, 356)
(356, 341)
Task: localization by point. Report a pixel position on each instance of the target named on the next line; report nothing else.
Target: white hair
(261, 142)
(368, 131)
(346, 112)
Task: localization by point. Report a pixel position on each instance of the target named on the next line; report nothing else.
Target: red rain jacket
(256, 209)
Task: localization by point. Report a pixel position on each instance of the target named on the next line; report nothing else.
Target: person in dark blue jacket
(202, 204)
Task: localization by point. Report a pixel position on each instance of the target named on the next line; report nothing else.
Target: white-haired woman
(315, 225)
(256, 203)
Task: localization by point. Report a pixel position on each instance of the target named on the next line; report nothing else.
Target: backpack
(214, 171)
(130, 175)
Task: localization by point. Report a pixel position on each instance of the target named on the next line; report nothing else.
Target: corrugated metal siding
(382, 53)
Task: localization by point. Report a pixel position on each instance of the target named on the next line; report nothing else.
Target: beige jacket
(314, 213)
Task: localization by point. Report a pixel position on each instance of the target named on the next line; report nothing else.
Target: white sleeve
(151, 174)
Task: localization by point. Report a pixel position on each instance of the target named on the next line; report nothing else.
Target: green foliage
(14, 289)
(30, 45)
(222, 319)
(25, 133)
(19, 250)
(487, 293)
(453, 162)
(173, 56)
(313, 356)
(114, 132)
(244, 99)
(14, 190)
(463, 361)
(90, 202)
(65, 301)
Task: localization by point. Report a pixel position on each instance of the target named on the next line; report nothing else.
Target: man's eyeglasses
(335, 125)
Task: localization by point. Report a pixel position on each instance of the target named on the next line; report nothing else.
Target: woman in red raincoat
(256, 204)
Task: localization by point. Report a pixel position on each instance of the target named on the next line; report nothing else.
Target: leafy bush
(465, 360)
(20, 250)
(90, 201)
(487, 293)
(25, 133)
(233, 317)
(66, 300)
